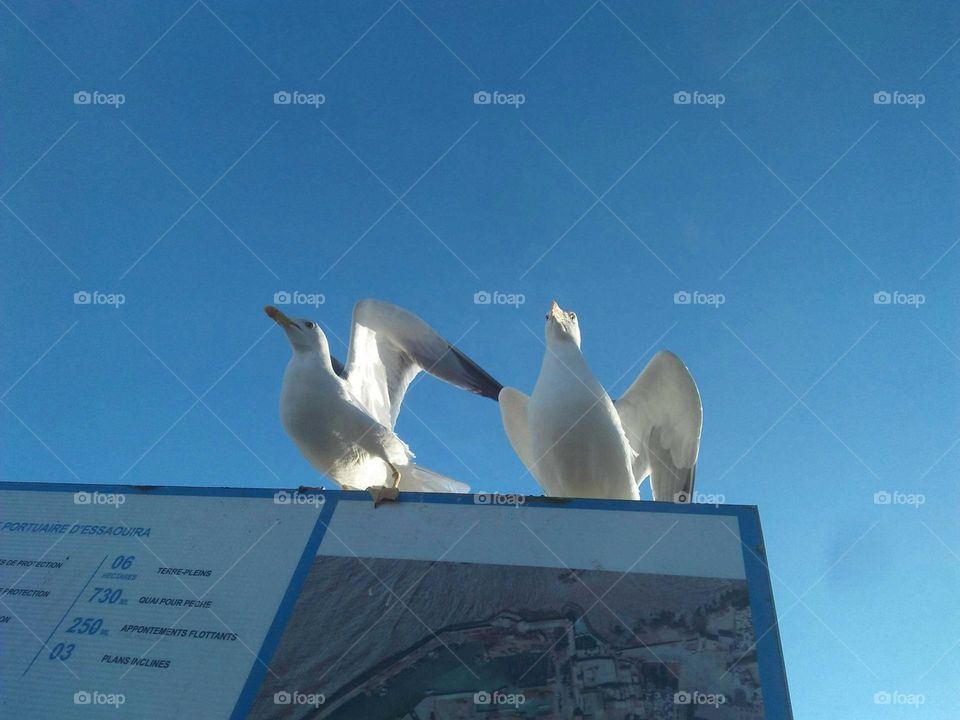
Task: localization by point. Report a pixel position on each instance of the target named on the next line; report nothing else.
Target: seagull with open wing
(341, 417)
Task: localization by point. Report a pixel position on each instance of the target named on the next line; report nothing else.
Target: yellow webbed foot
(381, 493)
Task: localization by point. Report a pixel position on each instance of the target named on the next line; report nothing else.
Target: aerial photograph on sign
(384, 638)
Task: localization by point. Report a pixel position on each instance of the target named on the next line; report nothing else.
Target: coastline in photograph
(381, 639)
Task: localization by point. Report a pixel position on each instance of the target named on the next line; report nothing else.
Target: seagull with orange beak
(577, 442)
(341, 417)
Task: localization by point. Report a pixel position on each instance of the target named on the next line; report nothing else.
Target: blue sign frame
(773, 680)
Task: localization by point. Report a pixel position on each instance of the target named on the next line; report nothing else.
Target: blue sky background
(815, 397)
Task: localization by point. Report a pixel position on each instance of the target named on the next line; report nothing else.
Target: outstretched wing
(662, 416)
(513, 412)
(389, 346)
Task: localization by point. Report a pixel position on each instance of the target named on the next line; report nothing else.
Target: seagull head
(562, 325)
(304, 335)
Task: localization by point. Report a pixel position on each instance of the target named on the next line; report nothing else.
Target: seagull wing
(662, 416)
(338, 367)
(389, 346)
(513, 411)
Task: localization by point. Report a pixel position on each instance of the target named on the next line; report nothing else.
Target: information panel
(228, 603)
(155, 602)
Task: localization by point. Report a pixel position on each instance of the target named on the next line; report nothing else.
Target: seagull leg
(383, 493)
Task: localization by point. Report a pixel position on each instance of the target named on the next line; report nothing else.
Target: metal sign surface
(255, 603)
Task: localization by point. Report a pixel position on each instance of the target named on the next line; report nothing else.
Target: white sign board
(240, 603)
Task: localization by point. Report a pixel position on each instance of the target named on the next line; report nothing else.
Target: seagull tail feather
(416, 478)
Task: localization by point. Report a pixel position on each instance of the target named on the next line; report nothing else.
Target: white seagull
(342, 417)
(577, 442)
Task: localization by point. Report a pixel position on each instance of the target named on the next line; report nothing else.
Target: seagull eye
(547, 316)
(573, 315)
(308, 324)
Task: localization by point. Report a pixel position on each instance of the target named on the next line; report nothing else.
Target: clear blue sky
(797, 199)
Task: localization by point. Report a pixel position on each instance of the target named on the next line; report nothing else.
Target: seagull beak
(556, 312)
(278, 317)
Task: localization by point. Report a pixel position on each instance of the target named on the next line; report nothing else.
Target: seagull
(342, 417)
(577, 442)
